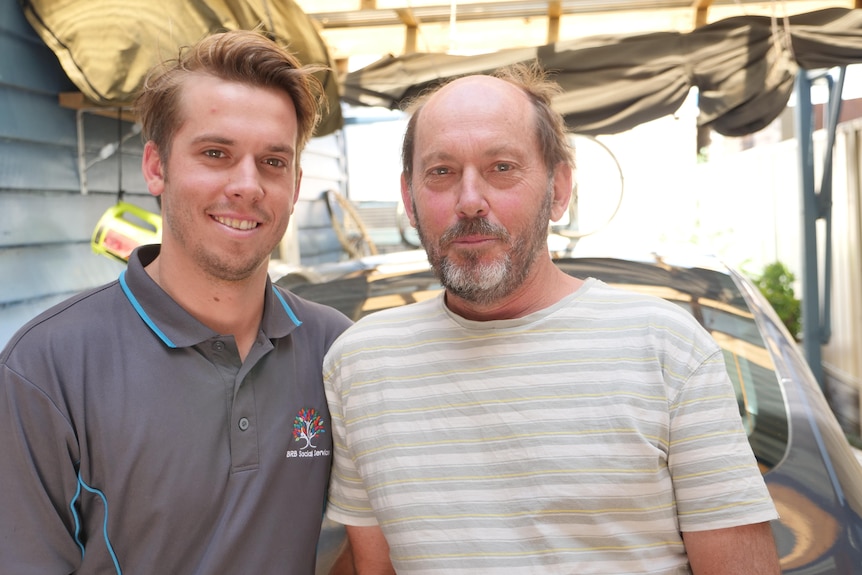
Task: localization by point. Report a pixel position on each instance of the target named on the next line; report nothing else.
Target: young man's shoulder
(72, 318)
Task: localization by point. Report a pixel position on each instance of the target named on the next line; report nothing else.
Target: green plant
(776, 285)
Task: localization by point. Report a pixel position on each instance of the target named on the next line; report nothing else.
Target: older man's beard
(480, 282)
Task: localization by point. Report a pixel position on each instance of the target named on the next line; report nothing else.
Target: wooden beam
(701, 11)
(703, 133)
(368, 5)
(341, 67)
(411, 29)
(407, 17)
(555, 11)
(411, 39)
(77, 101)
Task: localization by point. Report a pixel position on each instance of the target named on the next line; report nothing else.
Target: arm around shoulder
(742, 550)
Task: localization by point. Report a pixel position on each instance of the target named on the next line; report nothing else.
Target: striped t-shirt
(579, 439)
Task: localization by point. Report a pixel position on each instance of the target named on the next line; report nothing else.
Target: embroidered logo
(307, 425)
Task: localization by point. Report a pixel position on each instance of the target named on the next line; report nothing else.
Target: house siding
(45, 220)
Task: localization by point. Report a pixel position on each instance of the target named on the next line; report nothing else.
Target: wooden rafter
(701, 11)
(77, 101)
(411, 28)
(555, 12)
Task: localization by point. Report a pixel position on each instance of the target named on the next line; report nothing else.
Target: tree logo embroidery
(306, 426)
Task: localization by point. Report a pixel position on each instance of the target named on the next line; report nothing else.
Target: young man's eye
(275, 162)
(213, 153)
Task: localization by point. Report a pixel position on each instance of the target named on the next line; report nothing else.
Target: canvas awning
(744, 69)
(106, 47)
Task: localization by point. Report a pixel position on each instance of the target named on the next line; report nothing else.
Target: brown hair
(242, 56)
(533, 80)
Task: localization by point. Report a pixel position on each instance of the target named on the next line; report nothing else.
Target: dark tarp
(106, 47)
(744, 69)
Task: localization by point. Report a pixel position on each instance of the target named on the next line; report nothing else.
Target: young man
(174, 421)
(528, 422)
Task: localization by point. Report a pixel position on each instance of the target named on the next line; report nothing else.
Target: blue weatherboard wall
(45, 222)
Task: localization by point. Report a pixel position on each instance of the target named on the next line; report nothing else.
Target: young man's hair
(243, 56)
(533, 80)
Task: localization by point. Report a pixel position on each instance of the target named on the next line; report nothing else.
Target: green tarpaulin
(106, 47)
(744, 69)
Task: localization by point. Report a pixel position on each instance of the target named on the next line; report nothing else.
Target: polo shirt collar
(173, 324)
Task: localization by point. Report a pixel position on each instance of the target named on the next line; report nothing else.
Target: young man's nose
(245, 179)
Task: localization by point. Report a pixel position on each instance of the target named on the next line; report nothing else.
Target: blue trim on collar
(286, 307)
(135, 304)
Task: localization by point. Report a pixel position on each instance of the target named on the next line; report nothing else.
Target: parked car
(810, 468)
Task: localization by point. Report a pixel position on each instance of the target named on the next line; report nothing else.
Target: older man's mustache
(473, 227)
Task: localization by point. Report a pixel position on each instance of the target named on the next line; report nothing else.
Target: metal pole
(810, 276)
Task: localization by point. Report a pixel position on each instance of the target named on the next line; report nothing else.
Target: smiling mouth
(235, 223)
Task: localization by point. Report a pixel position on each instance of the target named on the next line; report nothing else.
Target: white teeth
(236, 224)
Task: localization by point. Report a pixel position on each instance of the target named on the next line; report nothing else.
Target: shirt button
(243, 423)
(218, 346)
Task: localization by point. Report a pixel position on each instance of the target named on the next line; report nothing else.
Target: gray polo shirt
(133, 439)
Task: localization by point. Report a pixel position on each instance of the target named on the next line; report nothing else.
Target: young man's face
(231, 181)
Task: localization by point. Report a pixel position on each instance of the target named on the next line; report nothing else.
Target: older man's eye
(503, 167)
(214, 153)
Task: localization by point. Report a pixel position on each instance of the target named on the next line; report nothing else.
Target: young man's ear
(153, 170)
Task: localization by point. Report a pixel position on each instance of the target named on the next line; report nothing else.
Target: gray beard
(487, 283)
